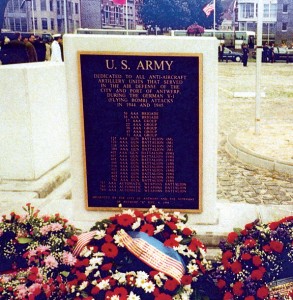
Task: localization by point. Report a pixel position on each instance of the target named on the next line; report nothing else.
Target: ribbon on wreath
(153, 253)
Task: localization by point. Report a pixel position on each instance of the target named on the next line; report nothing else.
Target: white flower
(118, 240)
(83, 285)
(89, 270)
(115, 297)
(104, 285)
(85, 252)
(129, 212)
(120, 277)
(132, 296)
(99, 234)
(159, 228)
(148, 287)
(136, 224)
(141, 279)
(192, 267)
(96, 260)
(179, 238)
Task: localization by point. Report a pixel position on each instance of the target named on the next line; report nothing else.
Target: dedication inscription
(142, 130)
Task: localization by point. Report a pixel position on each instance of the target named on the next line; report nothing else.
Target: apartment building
(42, 16)
(106, 14)
(284, 27)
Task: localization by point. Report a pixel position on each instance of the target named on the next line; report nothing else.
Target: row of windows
(249, 10)
(15, 6)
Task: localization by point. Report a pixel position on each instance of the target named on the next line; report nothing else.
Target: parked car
(232, 55)
(281, 53)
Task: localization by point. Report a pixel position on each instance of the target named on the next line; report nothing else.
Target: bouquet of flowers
(35, 254)
(253, 258)
(135, 255)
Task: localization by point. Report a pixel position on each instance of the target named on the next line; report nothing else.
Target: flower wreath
(113, 265)
(255, 257)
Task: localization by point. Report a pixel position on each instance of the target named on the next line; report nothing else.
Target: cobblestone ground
(238, 182)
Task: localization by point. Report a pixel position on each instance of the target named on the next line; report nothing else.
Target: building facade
(105, 14)
(284, 27)
(42, 16)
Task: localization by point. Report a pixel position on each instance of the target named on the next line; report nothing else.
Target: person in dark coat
(30, 48)
(245, 52)
(14, 51)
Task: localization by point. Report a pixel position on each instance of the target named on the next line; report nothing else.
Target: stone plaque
(142, 126)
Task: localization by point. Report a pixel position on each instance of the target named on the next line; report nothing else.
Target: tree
(177, 14)
(3, 4)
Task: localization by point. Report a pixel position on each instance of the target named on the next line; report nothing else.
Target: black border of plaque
(142, 130)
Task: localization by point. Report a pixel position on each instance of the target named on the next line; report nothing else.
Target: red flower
(150, 218)
(95, 290)
(221, 283)
(186, 231)
(172, 225)
(110, 250)
(244, 232)
(106, 267)
(171, 285)
(186, 279)
(246, 256)
(163, 296)
(266, 248)
(110, 228)
(249, 226)
(277, 246)
(171, 243)
(232, 236)
(228, 254)
(194, 244)
(249, 298)
(228, 296)
(148, 228)
(108, 238)
(238, 288)
(262, 292)
(274, 225)
(125, 220)
(121, 292)
(138, 214)
(236, 267)
(256, 275)
(256, 260)
(250, 243)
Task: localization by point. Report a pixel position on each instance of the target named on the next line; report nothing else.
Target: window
(51, 5)
(285, 8)
(117, 15)
(44, 24)
(76, 9)
(24, 24)
(58, 8)
(52, 24)
(247, 10)
(284, 26)
(36, 23)
(43, 5)
(107, 14)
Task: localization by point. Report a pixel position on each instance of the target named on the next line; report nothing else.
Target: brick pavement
(242, 182)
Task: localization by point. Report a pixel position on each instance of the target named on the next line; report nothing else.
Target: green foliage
(177, 14)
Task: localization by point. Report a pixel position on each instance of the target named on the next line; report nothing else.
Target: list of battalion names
(142, 161)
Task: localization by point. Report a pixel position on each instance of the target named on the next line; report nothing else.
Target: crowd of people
(30, 49)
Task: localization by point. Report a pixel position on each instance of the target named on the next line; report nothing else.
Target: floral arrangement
(253, 258)
(106, 269)
(35, 252)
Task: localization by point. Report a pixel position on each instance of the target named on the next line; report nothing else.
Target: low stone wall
(34, 119)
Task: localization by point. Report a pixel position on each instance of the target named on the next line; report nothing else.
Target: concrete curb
(235, 149)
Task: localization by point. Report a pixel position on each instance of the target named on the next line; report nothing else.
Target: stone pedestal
(34, 123)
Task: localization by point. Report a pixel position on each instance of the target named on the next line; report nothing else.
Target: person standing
(30, 48)
(245, 52)
(56, 50)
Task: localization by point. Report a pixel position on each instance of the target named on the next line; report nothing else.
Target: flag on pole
(208, 9)
(122, 2)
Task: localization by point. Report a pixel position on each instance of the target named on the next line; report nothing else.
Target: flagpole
(126, 17)
(214, 18)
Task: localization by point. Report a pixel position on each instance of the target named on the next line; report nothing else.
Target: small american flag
(208, 8)
(82, 241)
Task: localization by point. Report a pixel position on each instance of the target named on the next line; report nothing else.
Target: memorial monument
(143, 115)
